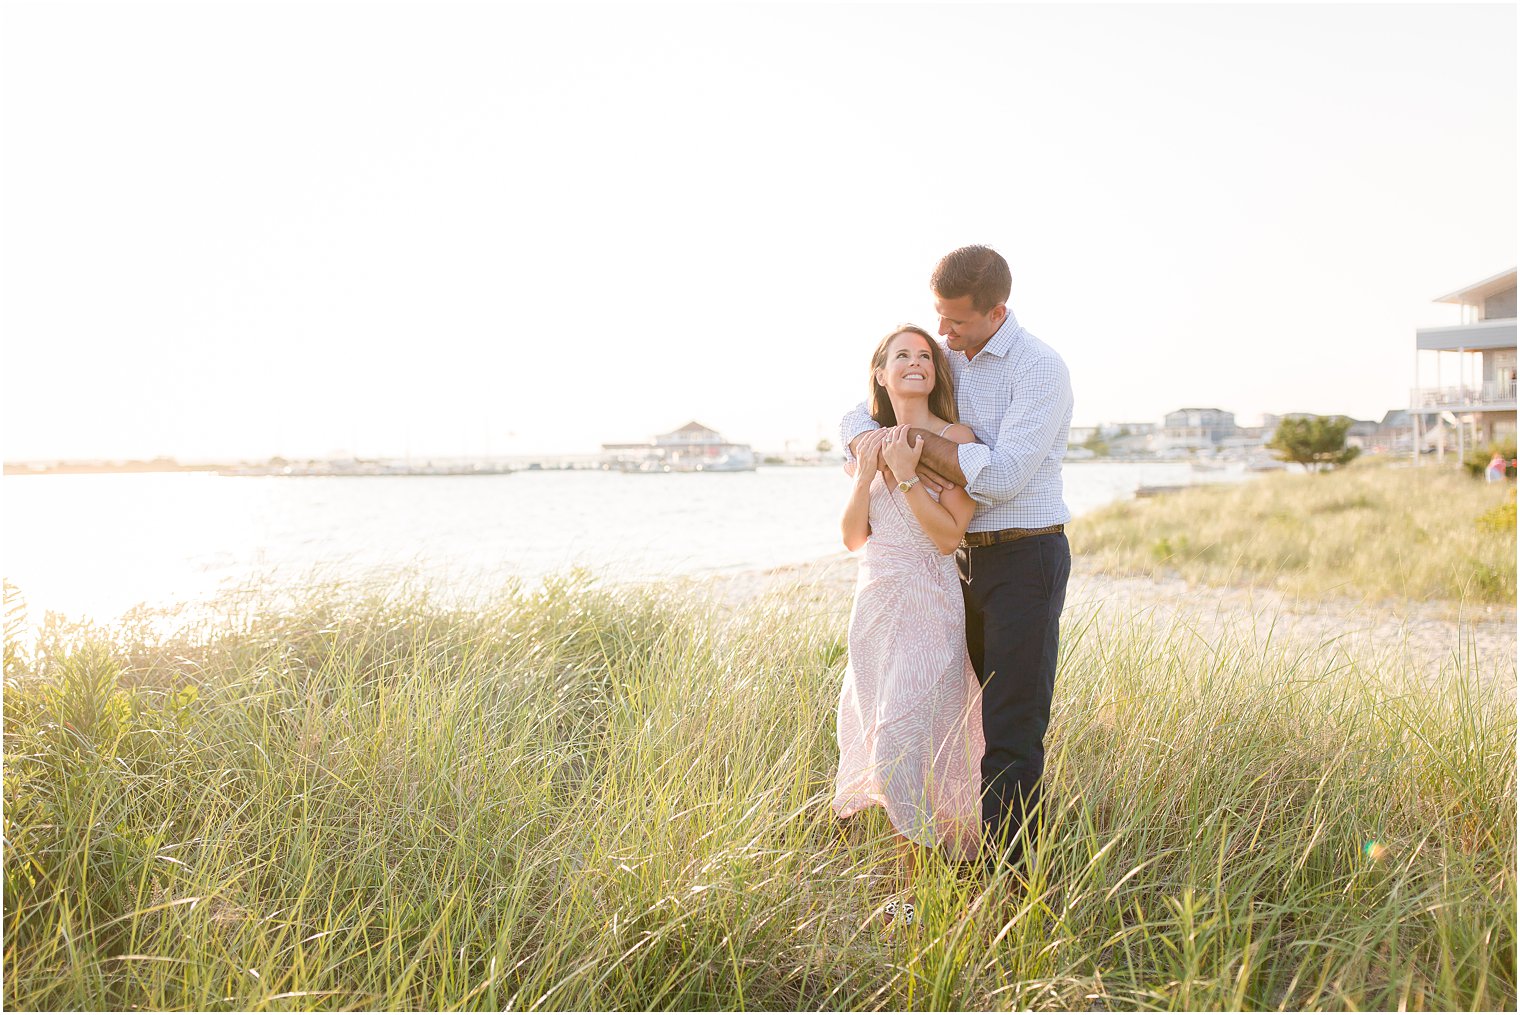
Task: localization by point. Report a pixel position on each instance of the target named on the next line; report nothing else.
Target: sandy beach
(1329, 633)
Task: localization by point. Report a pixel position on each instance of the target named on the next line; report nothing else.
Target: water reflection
(96, 545)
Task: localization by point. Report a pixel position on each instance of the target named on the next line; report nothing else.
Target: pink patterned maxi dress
(910, 712)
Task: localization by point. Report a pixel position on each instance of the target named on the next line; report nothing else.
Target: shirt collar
(1002, 340)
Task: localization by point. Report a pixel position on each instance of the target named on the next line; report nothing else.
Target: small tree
(1317, 443)
(1097, 445)
(824, 446)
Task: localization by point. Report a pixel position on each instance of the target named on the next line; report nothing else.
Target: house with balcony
(1465, 373)
(1196, 429)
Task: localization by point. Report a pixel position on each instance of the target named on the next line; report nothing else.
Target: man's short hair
(979, 272)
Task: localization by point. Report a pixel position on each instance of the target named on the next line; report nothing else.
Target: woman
(910, 726)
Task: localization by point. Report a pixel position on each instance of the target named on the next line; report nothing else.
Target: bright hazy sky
(293, 228)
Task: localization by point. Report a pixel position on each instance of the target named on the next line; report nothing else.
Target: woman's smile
(910, 363)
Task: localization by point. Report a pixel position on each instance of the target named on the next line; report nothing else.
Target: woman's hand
(868, 462)
(902, 452)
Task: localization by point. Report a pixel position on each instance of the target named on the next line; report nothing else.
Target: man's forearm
(940, 454)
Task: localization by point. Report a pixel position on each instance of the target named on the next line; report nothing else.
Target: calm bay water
(94, 546)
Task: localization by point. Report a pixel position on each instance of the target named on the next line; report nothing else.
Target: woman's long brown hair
(941, 399)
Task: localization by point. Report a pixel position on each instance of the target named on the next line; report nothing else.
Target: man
(1014, 392)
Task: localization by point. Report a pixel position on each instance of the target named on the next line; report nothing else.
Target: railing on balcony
(1494, 395)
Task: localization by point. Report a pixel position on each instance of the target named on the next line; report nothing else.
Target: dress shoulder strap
(946, 429)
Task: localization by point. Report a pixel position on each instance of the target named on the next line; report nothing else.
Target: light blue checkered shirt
(1015, 395)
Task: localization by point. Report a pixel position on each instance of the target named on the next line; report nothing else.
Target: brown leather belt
(972, 539)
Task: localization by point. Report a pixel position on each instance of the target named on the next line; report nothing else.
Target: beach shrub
(1478, 458)
(1500, 519)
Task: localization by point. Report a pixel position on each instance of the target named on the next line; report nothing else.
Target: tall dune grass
(1375, 529)
(583, 798)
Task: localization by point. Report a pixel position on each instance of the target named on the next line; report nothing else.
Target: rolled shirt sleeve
(856, 422)
(1037, 415)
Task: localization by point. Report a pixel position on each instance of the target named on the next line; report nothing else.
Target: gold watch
(907, 484)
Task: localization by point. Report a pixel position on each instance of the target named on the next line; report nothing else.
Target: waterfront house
(691, 448)
(1395, 433)
(1197, 429)
(1472, 365)
(1110, 431)
(1130, 440)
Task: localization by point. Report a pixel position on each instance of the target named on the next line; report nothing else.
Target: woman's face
(910, 366)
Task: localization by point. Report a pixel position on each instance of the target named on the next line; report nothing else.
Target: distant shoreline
(94, 468)
(319, 469)
(355, 468)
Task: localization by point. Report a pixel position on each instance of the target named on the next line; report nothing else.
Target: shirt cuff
(870, 424)
(973, 458)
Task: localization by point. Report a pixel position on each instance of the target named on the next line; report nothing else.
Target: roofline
(1462, 295)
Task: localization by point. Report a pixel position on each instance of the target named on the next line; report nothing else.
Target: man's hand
(940, 466)
(932, 479)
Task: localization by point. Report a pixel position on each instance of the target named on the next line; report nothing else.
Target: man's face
(964, 329)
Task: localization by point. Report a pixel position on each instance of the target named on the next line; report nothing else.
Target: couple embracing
(952, 643)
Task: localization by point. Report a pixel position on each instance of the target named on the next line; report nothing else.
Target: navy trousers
(1014, 594)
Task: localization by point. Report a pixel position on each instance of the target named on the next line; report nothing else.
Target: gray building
(1197, 428)
(1395, 432)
